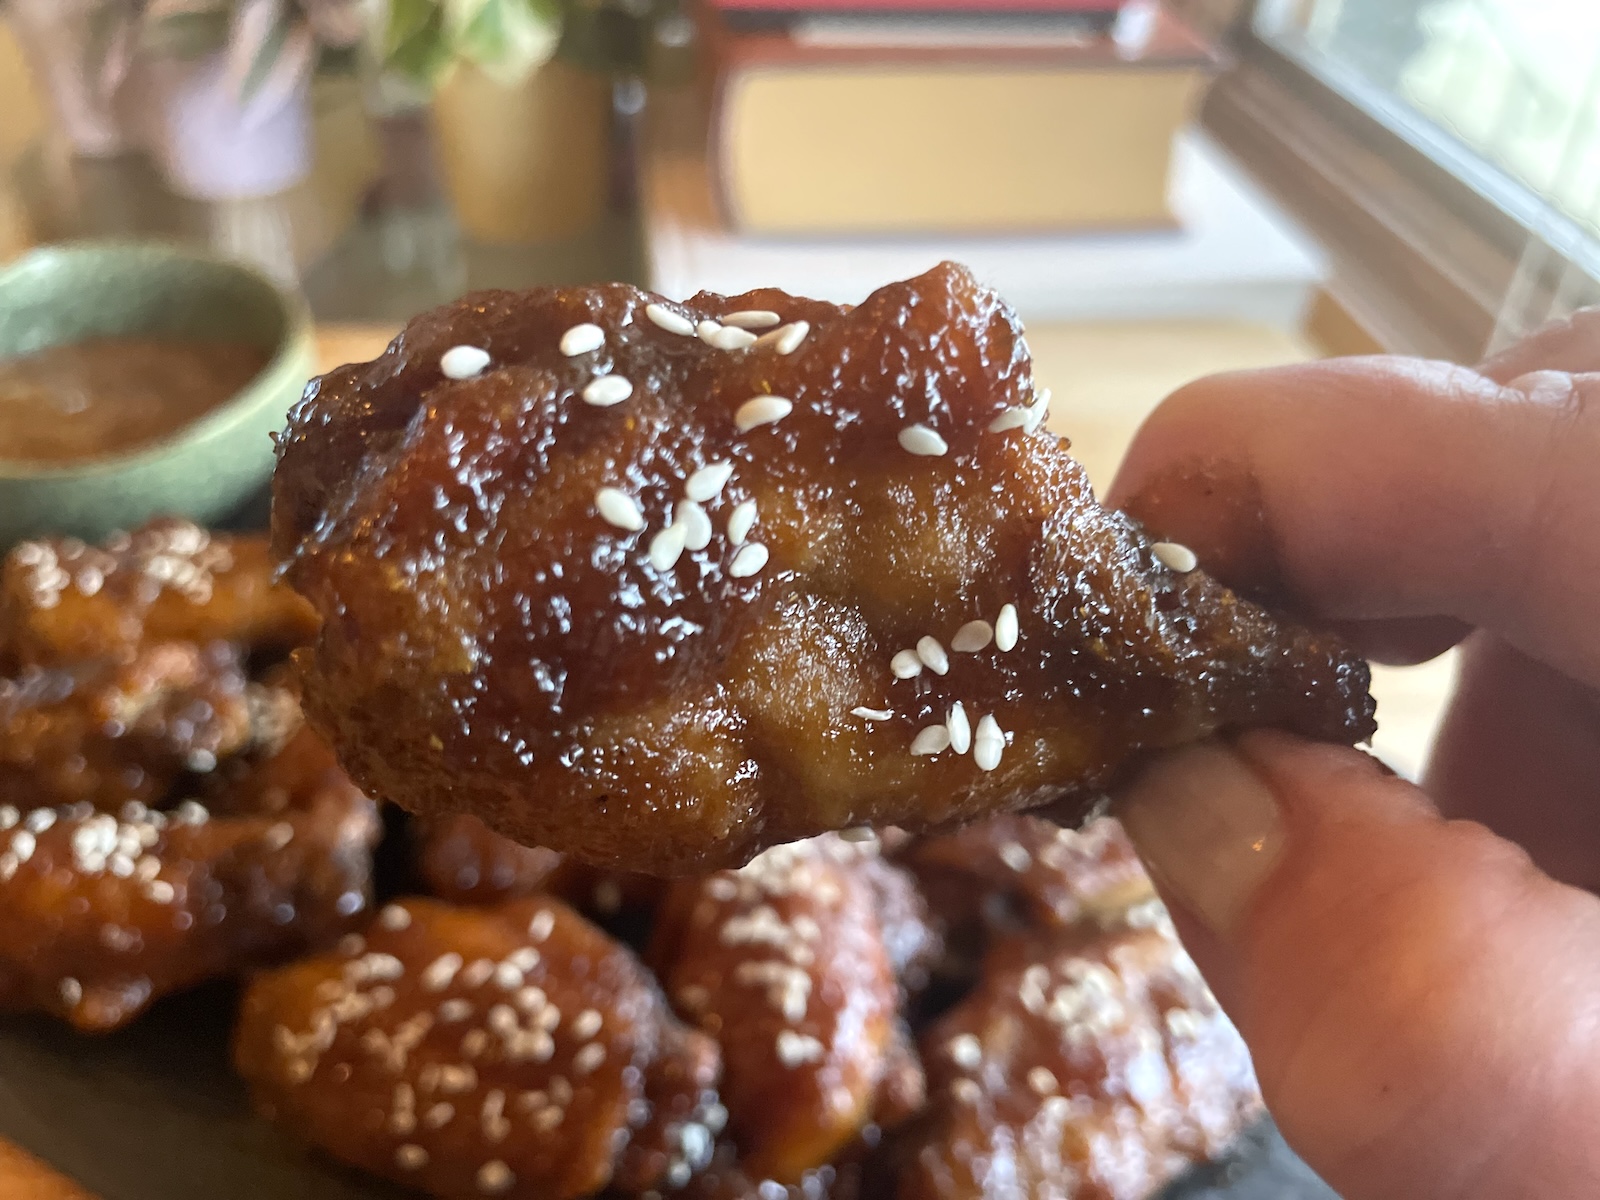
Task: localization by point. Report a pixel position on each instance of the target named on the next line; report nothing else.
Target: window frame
(1428, 242)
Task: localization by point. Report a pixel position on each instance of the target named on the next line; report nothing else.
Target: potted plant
(226, 111)
(522, 135)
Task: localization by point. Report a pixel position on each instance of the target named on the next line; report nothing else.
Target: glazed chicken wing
(786, 963)
(1099, 1070)
(101, 914)
(509, 1051)
(64, 601)
(630, 579)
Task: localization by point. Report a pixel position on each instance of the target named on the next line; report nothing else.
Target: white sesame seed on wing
(933, 655)
(581, 339)
(906, 665)
(1011, 418)
(619, 509)
(1005, 628)
(665, 318)
(922, 441)
(667, 546)
(751, 557)
(761, 410)
(752, 318)
(606, 390)
(972, 637)
(1175, 557)
(872, 714)
(463, 362)
(707, 483)
(935, 739)
(959, 728)
(696, 524)
(740, 521)
(988, 743)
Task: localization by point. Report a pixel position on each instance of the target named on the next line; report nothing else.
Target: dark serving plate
(154, 1112)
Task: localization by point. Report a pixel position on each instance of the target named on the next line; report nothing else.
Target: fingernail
(1208, 829)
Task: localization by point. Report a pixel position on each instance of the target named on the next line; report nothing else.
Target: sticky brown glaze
(462, 860)
(62, 601)
(785, 963)
(493, 643)
(101, 914)
(111, 731)
(1016, 874)
(466, 1051)
(1098, 1070)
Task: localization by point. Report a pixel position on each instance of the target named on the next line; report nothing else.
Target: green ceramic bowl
(206, 469)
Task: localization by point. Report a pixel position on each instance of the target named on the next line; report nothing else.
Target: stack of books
(831, 144)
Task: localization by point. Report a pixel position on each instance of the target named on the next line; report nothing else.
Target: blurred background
(1163, 190)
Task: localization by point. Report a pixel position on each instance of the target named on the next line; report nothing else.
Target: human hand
(1417, 974)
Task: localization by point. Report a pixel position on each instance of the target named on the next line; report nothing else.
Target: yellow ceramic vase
(525, 163)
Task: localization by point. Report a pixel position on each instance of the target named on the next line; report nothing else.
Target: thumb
(1423, 1006)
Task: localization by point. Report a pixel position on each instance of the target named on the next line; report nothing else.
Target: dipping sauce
(113, 394)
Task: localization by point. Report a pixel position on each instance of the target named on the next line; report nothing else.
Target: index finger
(1384, 489)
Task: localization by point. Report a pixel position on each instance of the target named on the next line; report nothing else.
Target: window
(1466, 154)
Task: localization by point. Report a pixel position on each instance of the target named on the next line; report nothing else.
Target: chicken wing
(628, 580)
(170, 581)
(1098, 1071)
(785, 962)
(468, 1052)
(101, 914)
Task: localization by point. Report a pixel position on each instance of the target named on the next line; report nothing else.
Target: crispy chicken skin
(169, 581)
(101, 914)
(786, 963)
(1097, 1070)
(514, 1051)
(660, 599)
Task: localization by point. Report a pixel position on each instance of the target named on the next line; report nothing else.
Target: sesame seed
(586, 1024)
(933, 656)
(454, 1079)
(959, 728)
(859, 833)
(761, 410)
(23, 845)
(530, 998)
(495, 1177)
(972, 637)
(966, 1091)
(607, 390)
(1043, 1081)
(491, 1117)
(1175, 557)
(740, 521)
(463, 362)
(706, 329)
(1039, 410)
(502, 1019)
(454, 1009)
(751, 318)
(935, 739)
(394, 918)
(922, 441)
(1011, 418)
(1015, 855)
(906, 665)
(988, 743)
(1005, 628)
(508, 976)
(581, 339)
(8, 815)
(410, 1157)
(707, 483)
(547, 1119)
(437, 975)
(477, 972)
(279, 835)
(587, 1059)
(540, 927)
(191, 812)
(71, 991)
(750, 558)
(440, 1115)
(872, 714)
(786, 339)
(797, 1048)
(667, 547)
(607, 896)
(679, 1174)
(966, 1051)
(696, 524)
(619, 509)
(524, 958)
(40, 819)
(665, 318)
(726, 337)
(159, 891)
